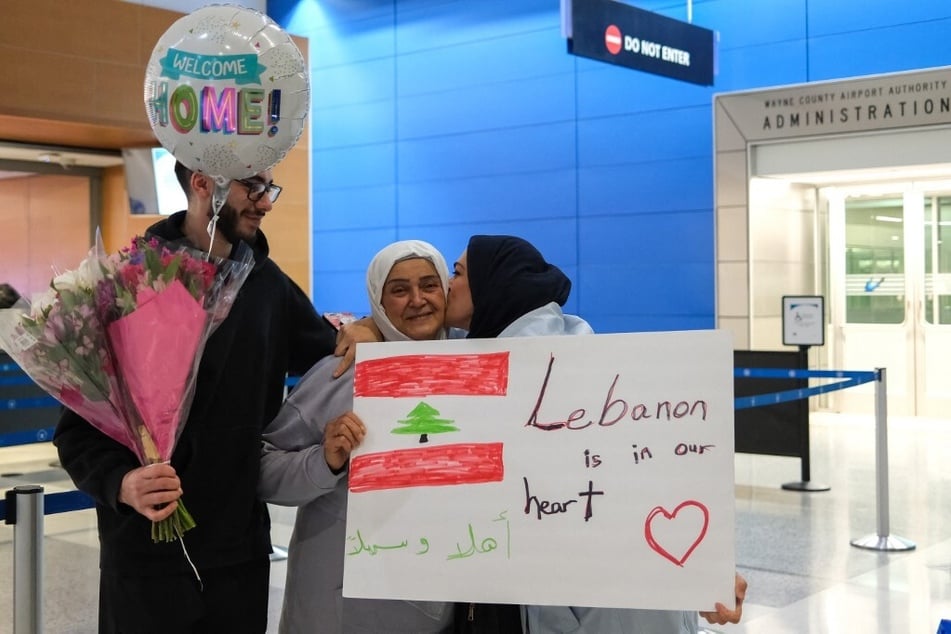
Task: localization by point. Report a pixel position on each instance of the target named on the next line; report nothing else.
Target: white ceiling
(64, 157)
(917, 173)
(902, 155)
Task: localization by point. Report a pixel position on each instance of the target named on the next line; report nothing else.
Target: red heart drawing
(660, 510)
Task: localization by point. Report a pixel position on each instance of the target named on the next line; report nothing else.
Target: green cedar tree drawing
(424, 420)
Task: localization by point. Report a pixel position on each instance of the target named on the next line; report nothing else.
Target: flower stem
(176, 524)
(173, 526)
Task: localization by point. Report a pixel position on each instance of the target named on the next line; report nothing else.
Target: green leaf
(172, 269)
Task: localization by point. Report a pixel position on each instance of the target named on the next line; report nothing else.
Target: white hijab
(379, 269)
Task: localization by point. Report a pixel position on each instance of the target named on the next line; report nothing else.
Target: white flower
(89, 272)
(42, 301)
(68, 281)
(83, 277)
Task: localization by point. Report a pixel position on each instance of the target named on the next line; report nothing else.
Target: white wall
(782, 255)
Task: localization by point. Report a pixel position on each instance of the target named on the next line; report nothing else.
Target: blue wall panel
(644, 137)
(743, 24)
(353, 124)
(548, 99)
(346, 43)
(555, 238)
(355, 166)
(521, 196)
(342, 291)
(660, 238)
(645, 289)
(348, 250)
(605, 90)
(484, 62)
(646, 187)
(525, 149)
(354, 207)
(897, 48)
(427, 24)
(357, 83)
(338, 34)
(437, 119)
(827, 18)
(763, 65)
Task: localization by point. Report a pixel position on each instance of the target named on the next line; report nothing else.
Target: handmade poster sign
(589, 470)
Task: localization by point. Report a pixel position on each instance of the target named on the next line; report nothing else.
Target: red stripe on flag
(433, 375)
(442, 465)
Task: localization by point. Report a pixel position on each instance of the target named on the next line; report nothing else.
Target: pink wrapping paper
(155, 347)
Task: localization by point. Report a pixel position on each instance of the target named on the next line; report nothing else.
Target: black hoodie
(272, 330)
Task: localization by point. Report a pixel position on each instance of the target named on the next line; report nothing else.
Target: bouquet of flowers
(119, 340)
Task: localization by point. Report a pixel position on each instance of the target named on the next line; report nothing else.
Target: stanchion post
(882, 540)
(805, 484)
(25, 505)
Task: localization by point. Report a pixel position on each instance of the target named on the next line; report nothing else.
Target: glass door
(891, 295)
(934, 318)
(871, 297)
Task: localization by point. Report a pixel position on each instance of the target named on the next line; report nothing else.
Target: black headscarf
(508, 277)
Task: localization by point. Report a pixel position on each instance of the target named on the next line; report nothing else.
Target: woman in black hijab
(503, 287)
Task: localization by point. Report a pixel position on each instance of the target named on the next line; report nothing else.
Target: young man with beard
(272, 330)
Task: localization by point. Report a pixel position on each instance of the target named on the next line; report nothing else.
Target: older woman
(503, 287)
(307, 446)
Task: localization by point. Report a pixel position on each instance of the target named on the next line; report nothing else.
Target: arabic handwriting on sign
(373, 549)
(487, 545)
(359, 545)
(508, 533)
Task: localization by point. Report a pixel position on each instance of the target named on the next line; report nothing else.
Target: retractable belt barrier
(849, 379)
(76, 500)
(27, 413)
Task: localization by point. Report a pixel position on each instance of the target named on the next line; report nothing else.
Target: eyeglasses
(257, 190)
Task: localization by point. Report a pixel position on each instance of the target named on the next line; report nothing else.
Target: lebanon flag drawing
(411, 377)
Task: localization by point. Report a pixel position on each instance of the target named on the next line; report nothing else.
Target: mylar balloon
(227, 91)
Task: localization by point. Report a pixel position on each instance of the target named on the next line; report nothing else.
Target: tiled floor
(794, 548)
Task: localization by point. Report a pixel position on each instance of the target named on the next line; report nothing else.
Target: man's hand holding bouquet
(119, 341)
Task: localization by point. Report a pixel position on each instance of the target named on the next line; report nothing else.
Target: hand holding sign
(227, 91)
